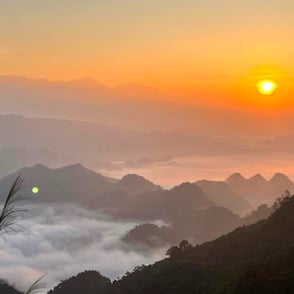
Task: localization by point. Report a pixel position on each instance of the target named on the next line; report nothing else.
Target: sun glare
(266, 87)
(35, 190)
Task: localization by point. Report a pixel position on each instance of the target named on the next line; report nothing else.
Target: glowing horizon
(174, 47)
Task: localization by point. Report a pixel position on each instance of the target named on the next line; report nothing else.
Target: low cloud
(64, 240)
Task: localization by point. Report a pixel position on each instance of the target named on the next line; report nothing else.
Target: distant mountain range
(113, 149)
(222, 195)
(98, 145)
(257, 189)
(199, 211)
(87, 99)
(134, 196)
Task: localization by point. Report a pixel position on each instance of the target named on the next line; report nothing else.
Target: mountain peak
(186, 186)
(136, 184)
(235, 177)
(79, 170)
(133, 177)
(258, 178)
(72, 166)
(36, 168)
(279, 177)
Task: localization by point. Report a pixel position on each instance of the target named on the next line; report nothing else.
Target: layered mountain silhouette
(87, 99)
(221, 194)
(198, 212)
(79, 185)
(100, 145)
(257, 190)
(134, 196)
(199, 226)
(253, 259)
(71, 184)
(134, 184)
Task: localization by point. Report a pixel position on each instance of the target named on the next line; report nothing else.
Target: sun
(267, 87)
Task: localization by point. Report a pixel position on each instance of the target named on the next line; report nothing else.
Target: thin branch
(37, 287)
(11, 208)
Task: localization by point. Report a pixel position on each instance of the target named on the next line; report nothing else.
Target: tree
(175, 251)
(185, 245)
(286, 197)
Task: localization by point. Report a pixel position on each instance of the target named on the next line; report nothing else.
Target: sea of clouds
(63, 240)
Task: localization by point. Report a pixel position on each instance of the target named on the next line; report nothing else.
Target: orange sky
(198, 48)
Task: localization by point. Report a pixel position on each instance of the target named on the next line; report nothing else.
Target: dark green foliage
(168, 277)
(257, 259)
(88, 282)
(5, 288)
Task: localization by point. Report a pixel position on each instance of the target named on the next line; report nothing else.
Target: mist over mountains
(68, 183)
(86, 99)
(115, 151)
(256, 258)
(199, 211)
(144, 186)
(145, 217)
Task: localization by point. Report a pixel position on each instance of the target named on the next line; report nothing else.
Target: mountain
(200, 226)
(262, 212)
(256, 259)
(135, 185)
(79, 185)
(257, 190)
(5, 288)
(259, 256)
(236, 180)
(150, 236)
(89, 282)
(221, 195)
(187, 193)
(97, 145)
(170, 205)
(182, 200)
(279, 183)
(132, 195)
(257, 180)
(87, 99)
(72, 184)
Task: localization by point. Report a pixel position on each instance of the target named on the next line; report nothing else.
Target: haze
(136, 124)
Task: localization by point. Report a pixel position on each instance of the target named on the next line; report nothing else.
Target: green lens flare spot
(35, 190)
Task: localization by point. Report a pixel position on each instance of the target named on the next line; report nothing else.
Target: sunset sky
(181, 47)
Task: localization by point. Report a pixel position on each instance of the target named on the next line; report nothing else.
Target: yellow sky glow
(191, 49)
